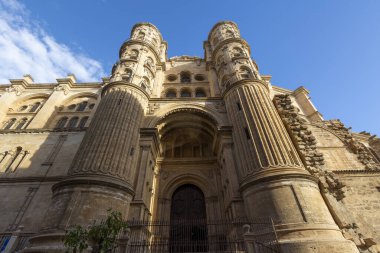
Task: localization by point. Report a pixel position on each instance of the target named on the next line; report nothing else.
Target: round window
(200, 77)
(171, 78)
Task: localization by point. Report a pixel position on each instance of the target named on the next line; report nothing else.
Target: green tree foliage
(102, 235)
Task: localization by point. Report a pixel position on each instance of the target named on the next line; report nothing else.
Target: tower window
(199, 77)
(238, 106)
(22, 123)
(134, 54)
(185, 93)
(83, 122)
(237, 52)
(82, 106)
(9, 124)
(171, 94)
(71, 107)
(229, 34)
(247, 133)
(35, 107)
(141, 35)
(128, 75)
(73, 122)
(185, 77)
(245, 72)
(171, 78)
(61, 123)
(23, 108)
(200, 93)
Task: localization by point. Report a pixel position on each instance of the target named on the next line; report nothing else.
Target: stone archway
(188, 226)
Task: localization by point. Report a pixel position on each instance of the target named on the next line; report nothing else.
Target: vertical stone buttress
(272, 178)
(102, 173)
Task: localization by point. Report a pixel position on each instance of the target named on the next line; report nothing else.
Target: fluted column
(272, 178)
(264, 141)
(111, 142)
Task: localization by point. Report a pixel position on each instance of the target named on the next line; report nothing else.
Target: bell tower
(102, 173)
(272, 178)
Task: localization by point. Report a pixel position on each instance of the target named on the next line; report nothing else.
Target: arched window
(149, 62)
(128, 75)
(229, 34)
(245, 72)
(22, 123)
(141, 36)
(171, 94)
(61, 123)
(83, 122)
(82, 106)
(91, 106)
(145, 83)
(237, 52)
(72, 106)
(73, 122)
(22, 108)
(185, 77)
(185, 93)
(9, 124)
(200, 93)
(134, 54)
(35, 107)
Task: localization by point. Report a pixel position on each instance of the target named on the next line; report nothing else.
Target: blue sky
(331, 47)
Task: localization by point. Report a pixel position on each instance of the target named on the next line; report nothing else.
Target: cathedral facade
(183, 138)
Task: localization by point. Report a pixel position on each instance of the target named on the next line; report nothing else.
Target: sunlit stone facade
(213, 127)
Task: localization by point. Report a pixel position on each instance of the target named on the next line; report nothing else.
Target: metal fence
(199, 236)
(21, 241)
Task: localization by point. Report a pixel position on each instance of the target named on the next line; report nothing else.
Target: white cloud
(25, 48)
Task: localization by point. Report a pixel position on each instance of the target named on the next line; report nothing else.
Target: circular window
(22, 108)
(200, 77)
(71, 107)
(171, 78)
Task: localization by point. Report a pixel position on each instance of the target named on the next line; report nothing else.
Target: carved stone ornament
(15, 89)
(152, 107)
(220, 107)
(306, 144)
(62, 87)
(363, 154)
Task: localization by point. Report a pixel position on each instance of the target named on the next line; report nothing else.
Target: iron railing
(198, 236)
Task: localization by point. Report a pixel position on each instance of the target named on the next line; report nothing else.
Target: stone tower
(208, 142)
(103, 171)
(273, 180)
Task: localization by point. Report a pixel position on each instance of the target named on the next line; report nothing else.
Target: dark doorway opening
(188, 224)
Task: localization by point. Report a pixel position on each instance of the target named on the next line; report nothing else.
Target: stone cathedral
(184, 139)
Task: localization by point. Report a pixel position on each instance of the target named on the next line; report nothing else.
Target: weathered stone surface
(69, 151)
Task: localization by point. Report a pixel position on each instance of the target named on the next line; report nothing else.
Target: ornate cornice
(124, 84)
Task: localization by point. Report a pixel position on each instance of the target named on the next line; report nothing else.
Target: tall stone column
(103, 171)
(272, 178)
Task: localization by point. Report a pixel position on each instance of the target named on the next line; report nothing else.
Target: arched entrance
(188, 227)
